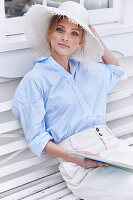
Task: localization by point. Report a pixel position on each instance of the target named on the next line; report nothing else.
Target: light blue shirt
(53, 104)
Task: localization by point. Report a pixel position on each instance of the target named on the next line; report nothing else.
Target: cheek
(54, 37)
(76, 42)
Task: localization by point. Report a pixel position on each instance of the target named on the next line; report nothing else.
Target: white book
(123, 160)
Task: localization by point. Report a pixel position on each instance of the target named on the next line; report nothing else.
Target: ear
(80, 44)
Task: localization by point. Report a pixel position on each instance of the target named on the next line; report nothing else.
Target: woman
(61, 103)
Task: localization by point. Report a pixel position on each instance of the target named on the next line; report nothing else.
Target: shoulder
(38, 73)
(41, 60)
(93, 67)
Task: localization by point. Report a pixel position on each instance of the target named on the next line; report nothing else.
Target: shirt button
(100, 134)
(97, 129)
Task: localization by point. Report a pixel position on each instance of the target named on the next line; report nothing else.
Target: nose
(65, 37)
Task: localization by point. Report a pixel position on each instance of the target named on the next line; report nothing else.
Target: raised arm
(108, 57)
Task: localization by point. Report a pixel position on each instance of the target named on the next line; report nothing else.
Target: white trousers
(101, 183)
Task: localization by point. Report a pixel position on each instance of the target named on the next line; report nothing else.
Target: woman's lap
(98, 183)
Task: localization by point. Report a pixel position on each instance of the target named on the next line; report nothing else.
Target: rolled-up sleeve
(112, 75)
(28, 106)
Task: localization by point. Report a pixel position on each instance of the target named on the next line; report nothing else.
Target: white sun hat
(37, 21)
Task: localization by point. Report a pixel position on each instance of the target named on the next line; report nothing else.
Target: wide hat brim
(36, 24)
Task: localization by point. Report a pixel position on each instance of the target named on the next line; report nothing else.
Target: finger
(100, 164)
(98, 155)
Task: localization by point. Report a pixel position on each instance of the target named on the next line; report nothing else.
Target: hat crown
(76, 10)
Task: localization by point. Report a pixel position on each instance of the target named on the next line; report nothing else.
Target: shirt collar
(72, 64)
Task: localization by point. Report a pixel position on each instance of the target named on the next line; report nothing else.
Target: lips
(63, 45)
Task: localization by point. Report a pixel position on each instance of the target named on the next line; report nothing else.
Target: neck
(62, 60)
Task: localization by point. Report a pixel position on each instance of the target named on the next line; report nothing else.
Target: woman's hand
(108, 57)
(87, 163)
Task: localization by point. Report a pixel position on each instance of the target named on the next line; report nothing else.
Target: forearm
(58, 151)
(108, 57)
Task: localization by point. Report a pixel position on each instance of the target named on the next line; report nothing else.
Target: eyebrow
(64, 27)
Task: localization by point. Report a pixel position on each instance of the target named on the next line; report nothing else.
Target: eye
(60, 30)
(75, 33)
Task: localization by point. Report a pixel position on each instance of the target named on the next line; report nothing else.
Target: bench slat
(53, 192)
(120, 113)
(58, 194)
(9, 126)
(70, 196)
(5, 106)
(14, 146)
(6, 170)
(31, 175)
(39, 185)
(118, 95)
(123, 130)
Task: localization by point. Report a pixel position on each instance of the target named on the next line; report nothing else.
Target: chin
(63, 53)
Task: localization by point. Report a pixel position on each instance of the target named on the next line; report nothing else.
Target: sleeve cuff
(115, 69)
(37, 146)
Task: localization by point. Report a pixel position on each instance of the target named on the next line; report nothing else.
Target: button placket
(100, 135)
(71, 81)
(98, 131)
(79, 97)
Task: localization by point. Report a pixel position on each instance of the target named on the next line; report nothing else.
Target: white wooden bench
(25, 176)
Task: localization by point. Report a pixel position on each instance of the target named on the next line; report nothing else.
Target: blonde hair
(52, 26)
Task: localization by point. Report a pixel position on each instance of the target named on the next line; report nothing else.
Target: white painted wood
(91, 4)
(22, 62)
(11, 28)
(53, 193)
(44, 2)
(2, 22)
(5, 106)
(12, 147)
(6, 170)
(97, 15)
(3, 80)
(116, 114)
(82, 2)
(120, 104)
(118, 95)
(70, 196)
(126, 14)
(58, 195)
(11, 135)
(123, 129)
(113, 42)
(9, 126)
(21, 179)
(127, 64)
(7, 89)
(10, 157)
(39, 185)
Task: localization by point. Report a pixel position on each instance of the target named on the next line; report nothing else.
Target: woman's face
(66, 38)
